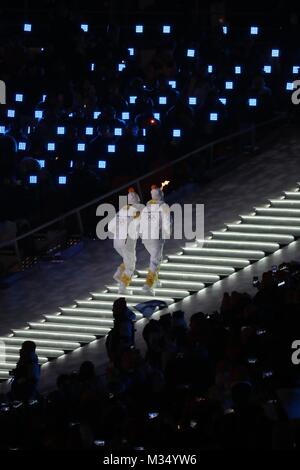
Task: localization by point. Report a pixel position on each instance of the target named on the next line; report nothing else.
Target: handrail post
(80, 224)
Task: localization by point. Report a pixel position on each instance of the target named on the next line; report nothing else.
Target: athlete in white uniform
(154, 229)
(125, 227)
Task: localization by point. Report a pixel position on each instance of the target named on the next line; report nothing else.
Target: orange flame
(163, 184)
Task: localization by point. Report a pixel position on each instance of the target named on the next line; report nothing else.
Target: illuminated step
(241, 245)
(134, 299)
(248, 254)
(271, 220)
(292, 194)
(261, 237)
(206, 278)
(4, 375)
(232, 262)
(73, 328)
(72, 337)
(196, 268)
(107, 304)
(44, 343)
(97, 312)
(47, 352)
(8, 365)
(9, 357)
(290, 231)
(92, 312)
(176, 293)
(165, 283)
(275, 211)
(69, 320)
(288, 203)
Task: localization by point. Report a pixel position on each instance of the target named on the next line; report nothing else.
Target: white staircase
(221, 254)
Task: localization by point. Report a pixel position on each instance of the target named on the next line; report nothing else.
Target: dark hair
(28, 347)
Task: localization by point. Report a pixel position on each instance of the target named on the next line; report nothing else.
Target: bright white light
(27, 27)
(118, 131)
(192, 100)
(62, 180)
(111, 148)
(84, 27)
(22, 146)
(121, 67)
(81, 147)
(172, 83)
(89, 130)
(166, 29)
(132, 99)
(61, 130)
(238, 70)
(19, 97)
(131, 51)
(140, 148)
(125, 116)
(162, 100)
(213, 116)
(38, 114)
(229, 85)
(252, 102)
(275, 53)
(33, 179)
(102, 164)
(223, 100)
(97, 114)
(267, 69)
(139, 28)
(190, 52)
(176, 133)
(42, 163)
(11, 113)
(254, 30)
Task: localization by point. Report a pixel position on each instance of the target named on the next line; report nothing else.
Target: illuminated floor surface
(226, 251)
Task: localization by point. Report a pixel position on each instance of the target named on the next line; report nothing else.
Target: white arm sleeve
(166, 221)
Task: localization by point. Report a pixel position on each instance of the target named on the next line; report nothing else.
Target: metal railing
(193, 166)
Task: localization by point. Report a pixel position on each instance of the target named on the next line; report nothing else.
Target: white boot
(148, 290)
(123, 290)
(119, 273)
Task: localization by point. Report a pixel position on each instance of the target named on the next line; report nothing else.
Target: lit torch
(163, 184)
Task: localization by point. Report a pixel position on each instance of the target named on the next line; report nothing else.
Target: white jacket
(126, 223)
(155, 222)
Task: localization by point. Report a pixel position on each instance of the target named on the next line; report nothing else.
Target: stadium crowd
(91, 107)
(209, 384)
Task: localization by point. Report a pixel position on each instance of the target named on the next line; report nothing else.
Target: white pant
(126, 249)
(155, 249)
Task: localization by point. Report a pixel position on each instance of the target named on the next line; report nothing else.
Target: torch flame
(163, 184)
